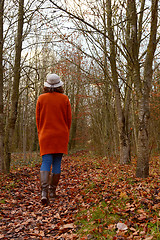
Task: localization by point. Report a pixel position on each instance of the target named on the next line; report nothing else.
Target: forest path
(106, 194)
(21, 214)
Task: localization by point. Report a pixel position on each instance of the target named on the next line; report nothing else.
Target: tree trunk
(143, 139)
(72, 143)
(123, 136)
(24, 128)
(134, 123)
(1, 89)
(15, 91)
(144, 111)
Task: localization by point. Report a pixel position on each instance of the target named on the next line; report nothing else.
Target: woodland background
(106, 53)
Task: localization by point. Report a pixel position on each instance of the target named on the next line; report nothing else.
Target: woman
(53, 119)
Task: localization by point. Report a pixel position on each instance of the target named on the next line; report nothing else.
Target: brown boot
(44, 175)
(54, 179)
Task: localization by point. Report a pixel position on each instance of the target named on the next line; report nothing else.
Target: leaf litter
(97, 199)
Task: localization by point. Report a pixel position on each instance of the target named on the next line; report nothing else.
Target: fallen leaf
(41, 233)
(156, 206)
(142, 217)
(66, 226)
(57, 216)
(136, 233)
(36, 232)
(149, 238)
(123, 195)
(133, 229)
(111, 226)
(122, 226)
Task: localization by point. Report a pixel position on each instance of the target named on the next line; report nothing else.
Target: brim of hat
(53, 86)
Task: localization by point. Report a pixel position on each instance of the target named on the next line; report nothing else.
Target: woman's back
(53, 116)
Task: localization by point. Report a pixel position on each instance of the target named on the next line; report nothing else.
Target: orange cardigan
(53, 119)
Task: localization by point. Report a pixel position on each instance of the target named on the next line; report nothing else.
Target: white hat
(53, 81)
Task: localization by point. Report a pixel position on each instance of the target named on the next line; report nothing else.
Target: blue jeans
(52, 159)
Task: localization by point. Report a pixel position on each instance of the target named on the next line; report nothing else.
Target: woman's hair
(50, 90)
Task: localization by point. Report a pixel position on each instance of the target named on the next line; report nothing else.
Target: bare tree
(122, 114)
(15, 90)
(143, 91)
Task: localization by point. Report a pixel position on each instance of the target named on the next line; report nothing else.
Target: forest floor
(97, 199)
